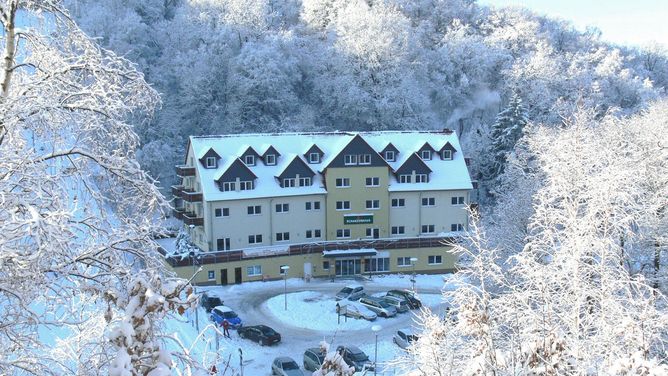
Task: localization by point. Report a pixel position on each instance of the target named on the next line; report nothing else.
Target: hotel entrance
(348, 262)
(348, 267)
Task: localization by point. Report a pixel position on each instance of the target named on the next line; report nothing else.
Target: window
(282, 208)
(246, 185)
(211, 274)
(325, 265)
(309, 234)
(304, 182)
(365, 159)
(229, 186)
(426, 154)
(314, 158)
(308, 205)
(317, 234)
(456, 227)
(404, 178)
(288, 182)
(270, 159)
(421, 178)
(343, 205)
(249, 160)
(316, 205)
(343, 233)
(435, 260)
(373, 204)
(457, 200)
(342, 182)
(282, 236)
(398, 230)
(281, 271)
(373, 233)
(427, 229)
(223, 244)
(398, 202)
(222, 212)
(312, 234)
(349, 159)
(254, 270)
(403, 261)
(372, 182)
(447, 155)
(254, 210)
(254, 239)
(389, 155)
(377, 265)
(210, 162)
(428, 201)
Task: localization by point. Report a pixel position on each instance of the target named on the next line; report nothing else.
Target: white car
(380, 306)
(404, 337)
(355, 310)
(351, 292)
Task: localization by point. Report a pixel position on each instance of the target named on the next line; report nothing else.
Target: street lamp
(376, 329)
(285, 269)
(413, 261)
(195, 271)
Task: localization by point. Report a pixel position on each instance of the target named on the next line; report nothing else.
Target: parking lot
(304, 313)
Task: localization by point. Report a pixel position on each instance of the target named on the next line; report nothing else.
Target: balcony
(192, 219)
(186, 194)
(184, 171)
(176, 190)
(178, 213)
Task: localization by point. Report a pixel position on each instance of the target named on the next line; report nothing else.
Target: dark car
(354, 357)
(313, 359)
(209, 301)
(261, 334)
(413, 302)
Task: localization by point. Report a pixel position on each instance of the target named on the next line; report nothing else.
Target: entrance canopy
(349, 253)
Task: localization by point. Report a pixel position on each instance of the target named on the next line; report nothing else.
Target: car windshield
(346, 290)
(268, 331)
(215, 301)
(359, 357)
(290, 365)
(384, 304)
(230, 315)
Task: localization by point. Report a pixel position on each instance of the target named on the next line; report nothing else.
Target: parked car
(378, 305)
(354, 357)
(313, 359)
(404, 337)
(285, 366)
(355, 310)
(221, 313)
(352, 292)
(401, 305)
(261, 334)
(209, 300)
(413, 302)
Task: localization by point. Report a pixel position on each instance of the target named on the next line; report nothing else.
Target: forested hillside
(227, 66)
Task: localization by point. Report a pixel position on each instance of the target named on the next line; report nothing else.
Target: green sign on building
(357, 219)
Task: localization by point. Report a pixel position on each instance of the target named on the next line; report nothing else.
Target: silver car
(313, 359)
(404, 337)
(378, 305)
(355, 310)
(351, 292)
(400, 304)
(285, 366)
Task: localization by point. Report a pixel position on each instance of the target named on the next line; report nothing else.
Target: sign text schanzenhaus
(357, 219)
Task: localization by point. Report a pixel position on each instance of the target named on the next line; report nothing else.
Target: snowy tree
(77, 213)
(505, 132)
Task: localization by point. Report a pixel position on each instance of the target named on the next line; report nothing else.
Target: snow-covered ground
(310, 318)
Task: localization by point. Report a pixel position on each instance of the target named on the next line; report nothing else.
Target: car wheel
(242, 335)
(383, 315)
(263, 342)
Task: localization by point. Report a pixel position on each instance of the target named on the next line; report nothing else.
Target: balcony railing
(188, 195)
(184, 171)
(192, 219)
(178, 213)
(176, 190)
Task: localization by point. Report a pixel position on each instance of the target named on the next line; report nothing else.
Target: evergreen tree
(507, 129)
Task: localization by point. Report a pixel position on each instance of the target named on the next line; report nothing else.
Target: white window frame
(400, 230)
(425, 155)
(249, 162)
(255, 239)
(421, 178)
(285, 207)
(314, 158)
(364, 159)
(350, 159)
(430, 229)
(405, 178)
(342, 182)
(345, 233)
(246, 185)
(401, 202)
(254, 210)
(431, 201)
(458, 227)
(437, 260)
(447, 155)
(305, 182)
(283, 236)
(403, 264)
(389, 155)
(227, 244)
(256, 270)
(460, 200)
(375, 181)
(270, 159)
(211, 274)
(229, 186)
(289, 182)
(211, 162)
(375, 204)
(345, 205)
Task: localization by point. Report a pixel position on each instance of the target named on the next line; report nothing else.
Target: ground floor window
(254, 270)
(212, 274)
(377, 265)
(435, 260)
(403, 261)
(325, 265)
(348, 267)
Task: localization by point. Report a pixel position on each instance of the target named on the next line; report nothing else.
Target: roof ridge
(333, 133)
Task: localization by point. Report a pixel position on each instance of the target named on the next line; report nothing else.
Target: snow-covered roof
(350, 252)
(446, 174)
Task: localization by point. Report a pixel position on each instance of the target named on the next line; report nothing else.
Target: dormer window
(389, 155)
(249, 160)
(421, 178)
(314, 158)
(269, 159)
(288, 182)
(229, 186)
(405, 178)
(246, 185)
(365, 159)
(304, 182)
(426, 155)
(350, 159)
(447, 155)
(211, 162)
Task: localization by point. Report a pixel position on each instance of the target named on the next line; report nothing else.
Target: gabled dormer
(447, 152)
(357, 153)
(237, 177)
(314, 154)
(270, 157)
(296, 174)
(413, 170)
(250, 157)
(210, 159)
(426, 152)
(389, 153)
